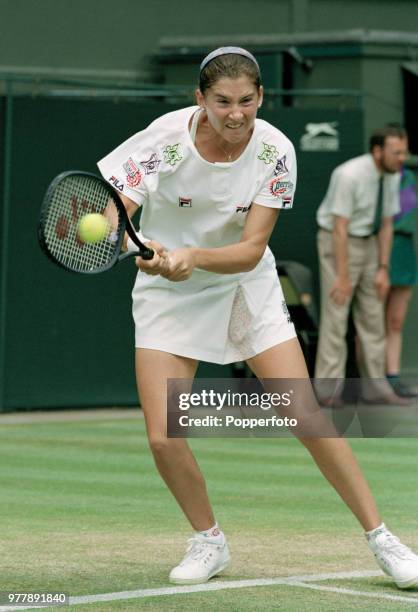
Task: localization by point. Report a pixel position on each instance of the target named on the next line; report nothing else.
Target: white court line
(301, 581)
(343, 591)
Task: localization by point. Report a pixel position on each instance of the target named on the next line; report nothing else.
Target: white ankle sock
(213, 532)
(374, 532)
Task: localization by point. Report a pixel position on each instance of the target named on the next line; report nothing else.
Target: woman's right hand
(158, 264)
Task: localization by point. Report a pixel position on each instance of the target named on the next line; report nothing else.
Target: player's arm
(245, 255)
(111, 213)
(131, 208)
(157, 264)
(230, 259)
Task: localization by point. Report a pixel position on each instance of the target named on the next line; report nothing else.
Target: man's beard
(387, 169)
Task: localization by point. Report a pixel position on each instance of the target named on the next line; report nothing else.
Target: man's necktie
(379, 208)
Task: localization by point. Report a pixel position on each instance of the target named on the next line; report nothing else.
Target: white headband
(225, 51)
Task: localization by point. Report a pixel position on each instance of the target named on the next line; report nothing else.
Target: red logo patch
(133, 174)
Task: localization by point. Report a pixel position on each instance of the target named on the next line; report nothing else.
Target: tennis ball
(93, 228)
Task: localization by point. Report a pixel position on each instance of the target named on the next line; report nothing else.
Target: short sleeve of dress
(279, 182)
(126, 167)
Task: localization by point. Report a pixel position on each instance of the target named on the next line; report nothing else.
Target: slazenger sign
(320, 137)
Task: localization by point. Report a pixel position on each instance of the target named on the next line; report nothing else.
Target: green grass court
(84, 512)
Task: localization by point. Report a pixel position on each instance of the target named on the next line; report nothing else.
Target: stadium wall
(359, 71)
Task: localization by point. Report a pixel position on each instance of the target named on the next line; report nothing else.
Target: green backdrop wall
(68, 339)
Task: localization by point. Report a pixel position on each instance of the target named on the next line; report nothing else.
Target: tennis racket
(69, 197)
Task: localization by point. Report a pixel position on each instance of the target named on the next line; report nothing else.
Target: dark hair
(378, 137)
(230, 65)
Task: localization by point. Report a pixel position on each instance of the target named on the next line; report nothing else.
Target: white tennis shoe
(395, 559)
(205, 557)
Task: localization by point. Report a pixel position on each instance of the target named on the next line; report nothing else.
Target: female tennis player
(211, 180)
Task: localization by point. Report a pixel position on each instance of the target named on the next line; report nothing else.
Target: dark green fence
(67, 340)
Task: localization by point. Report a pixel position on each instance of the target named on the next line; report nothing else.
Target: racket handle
(146, 253)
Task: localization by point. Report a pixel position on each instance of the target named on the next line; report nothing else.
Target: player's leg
(208, 553)
(396, 309)
(172, 456)
(332, 455)
(338, 464)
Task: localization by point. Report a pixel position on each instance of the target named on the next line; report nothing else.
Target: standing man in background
(354, 244)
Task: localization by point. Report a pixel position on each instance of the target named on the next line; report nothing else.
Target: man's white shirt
(353, 194)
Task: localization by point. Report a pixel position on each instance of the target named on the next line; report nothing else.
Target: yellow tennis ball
(93, 228)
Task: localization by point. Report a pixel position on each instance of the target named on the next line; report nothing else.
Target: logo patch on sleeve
(287, 202)
(151, 165)
(268, 154)
(281, 167)
(133, 175)
(280, 188)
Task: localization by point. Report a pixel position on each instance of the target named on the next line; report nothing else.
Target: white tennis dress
(188, 201)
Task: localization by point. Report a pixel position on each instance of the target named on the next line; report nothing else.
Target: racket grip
(146, 254)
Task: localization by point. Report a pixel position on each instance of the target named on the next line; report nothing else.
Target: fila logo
(185, 202)
(116, 183)
(242, 209)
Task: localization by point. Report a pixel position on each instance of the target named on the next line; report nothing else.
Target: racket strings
(74, 197)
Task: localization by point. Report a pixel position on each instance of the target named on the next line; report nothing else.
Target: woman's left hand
(180, 265)
(382, 283)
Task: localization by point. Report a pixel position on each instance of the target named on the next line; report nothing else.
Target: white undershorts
(220, 318)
